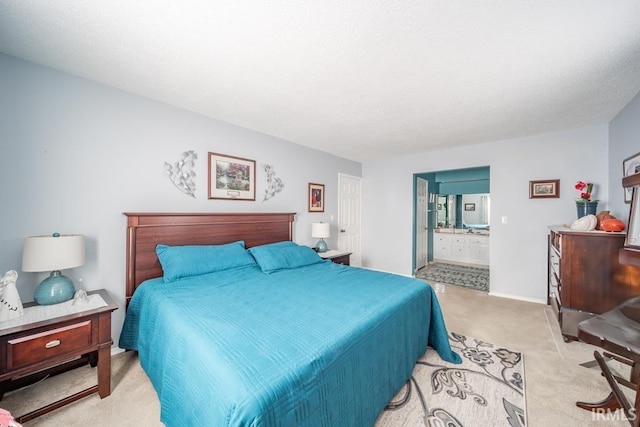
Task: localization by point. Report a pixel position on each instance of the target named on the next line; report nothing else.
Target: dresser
(585, 276)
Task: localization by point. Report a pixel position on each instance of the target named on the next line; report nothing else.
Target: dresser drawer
(554, 261)
(23, 351)
(556, 308)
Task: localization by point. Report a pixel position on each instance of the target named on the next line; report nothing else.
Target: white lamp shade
(49, 253)
(320, 230)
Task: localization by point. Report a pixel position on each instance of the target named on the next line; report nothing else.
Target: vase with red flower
(585, 205)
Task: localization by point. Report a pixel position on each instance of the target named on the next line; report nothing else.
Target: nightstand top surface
(332, 253)
(10, 327)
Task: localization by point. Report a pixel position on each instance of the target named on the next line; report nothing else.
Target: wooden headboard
(147, 229)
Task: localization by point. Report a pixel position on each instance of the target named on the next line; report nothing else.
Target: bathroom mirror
(475, 211)
(446, 209)
(463, 211)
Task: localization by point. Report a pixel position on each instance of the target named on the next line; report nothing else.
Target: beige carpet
(132, 402)
(554, 378)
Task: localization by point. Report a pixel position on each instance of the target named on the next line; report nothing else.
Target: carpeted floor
(453, 274)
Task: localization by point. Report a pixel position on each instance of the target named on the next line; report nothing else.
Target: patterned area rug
(486, 389)
(453, 274)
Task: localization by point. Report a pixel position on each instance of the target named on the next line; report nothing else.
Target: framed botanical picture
(630, 166)
(316, 197)
(231, 178)
(544, 189)
(469, 206)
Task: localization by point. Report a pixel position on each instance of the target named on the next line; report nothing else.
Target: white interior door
(421, 223)
(349, 216)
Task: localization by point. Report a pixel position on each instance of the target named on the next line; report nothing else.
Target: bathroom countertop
(461, 231)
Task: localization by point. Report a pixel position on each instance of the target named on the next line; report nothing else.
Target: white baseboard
(537, 301)
(117, 350)
(388, 272)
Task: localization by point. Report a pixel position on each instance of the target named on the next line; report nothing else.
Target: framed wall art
(231, 178)
(469, 206)
(630, 166)
(544, 189)
(316, 197)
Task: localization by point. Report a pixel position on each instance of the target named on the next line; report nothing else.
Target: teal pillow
(283, 255)
(193, 260)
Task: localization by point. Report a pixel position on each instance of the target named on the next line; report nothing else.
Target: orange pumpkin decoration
(600, 217)
(612, 224)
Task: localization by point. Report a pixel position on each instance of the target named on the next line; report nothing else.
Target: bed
(236, 325)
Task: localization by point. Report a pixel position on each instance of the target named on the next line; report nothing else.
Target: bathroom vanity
(460, 245)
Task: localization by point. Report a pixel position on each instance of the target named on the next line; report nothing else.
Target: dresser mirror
(630, 254)
(633, 230)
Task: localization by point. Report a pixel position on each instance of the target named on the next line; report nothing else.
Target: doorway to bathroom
(452, 227)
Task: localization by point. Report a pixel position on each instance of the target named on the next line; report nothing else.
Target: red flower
(585, 196)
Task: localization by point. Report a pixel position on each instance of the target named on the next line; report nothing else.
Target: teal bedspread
(320, 345)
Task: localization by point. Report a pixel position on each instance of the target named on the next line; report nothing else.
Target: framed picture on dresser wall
(544, 189)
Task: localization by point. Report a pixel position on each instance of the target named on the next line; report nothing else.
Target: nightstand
(339, 257)
(51, 345)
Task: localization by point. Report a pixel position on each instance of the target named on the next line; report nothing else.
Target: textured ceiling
(362, 79)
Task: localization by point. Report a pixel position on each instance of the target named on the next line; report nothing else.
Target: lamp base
(321, 246)
(54, 289)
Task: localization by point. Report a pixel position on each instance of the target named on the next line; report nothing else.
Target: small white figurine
(10, 304)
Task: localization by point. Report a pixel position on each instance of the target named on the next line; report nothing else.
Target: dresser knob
(52, 344)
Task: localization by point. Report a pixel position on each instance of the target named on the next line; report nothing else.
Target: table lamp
(53, 253)
(320, 230)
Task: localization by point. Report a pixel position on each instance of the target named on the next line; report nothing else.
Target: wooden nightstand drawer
(343, 259)
(29, 349)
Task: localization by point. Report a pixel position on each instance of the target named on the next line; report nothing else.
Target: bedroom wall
(624, 142)
(77, 154)
(518, 247)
